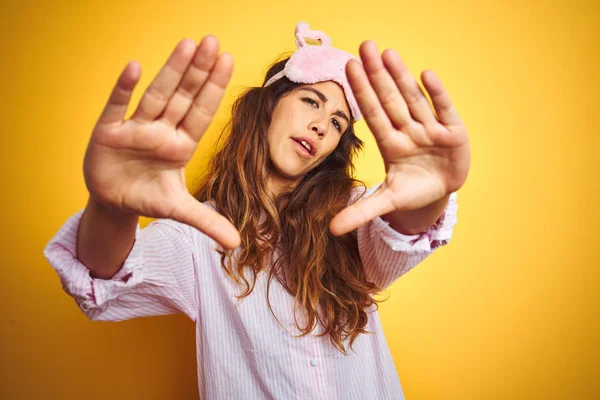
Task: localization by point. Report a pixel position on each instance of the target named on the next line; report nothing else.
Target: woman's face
(317, 115)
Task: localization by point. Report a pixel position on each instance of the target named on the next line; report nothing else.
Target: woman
(273, 258)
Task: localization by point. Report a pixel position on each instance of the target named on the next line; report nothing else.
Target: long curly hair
(330, 284)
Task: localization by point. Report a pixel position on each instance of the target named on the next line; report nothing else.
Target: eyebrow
(324, 99)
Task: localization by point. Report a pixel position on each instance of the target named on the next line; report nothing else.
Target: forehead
(334, 93)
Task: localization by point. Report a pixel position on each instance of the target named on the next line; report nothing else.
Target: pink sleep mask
(318, 63)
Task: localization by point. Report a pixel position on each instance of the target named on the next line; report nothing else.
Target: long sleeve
(388, 254)
(157, 278)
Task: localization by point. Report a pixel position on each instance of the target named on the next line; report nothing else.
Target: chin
(288, 171)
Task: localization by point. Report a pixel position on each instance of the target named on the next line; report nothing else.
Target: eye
(311, 102)
(337, 124)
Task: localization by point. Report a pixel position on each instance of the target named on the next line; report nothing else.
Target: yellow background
(509, 310)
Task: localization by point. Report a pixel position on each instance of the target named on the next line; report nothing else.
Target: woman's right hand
(137, 165)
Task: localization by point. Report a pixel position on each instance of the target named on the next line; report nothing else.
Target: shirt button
(313, 362)
(85, 306)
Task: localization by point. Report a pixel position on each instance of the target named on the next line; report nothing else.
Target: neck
(276, 184)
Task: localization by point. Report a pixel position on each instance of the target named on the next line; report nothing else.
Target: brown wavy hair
(330, 284)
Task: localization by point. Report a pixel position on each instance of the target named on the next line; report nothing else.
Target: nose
(319, 126)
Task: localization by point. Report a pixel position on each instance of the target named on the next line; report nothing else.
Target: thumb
(192, 212)
(116, 108)
(360, 213)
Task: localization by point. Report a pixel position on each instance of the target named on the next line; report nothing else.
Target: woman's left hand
(426, 157)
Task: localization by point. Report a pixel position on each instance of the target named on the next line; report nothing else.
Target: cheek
(334, 142)
(281, 125)
(329, 148)
(275, 131)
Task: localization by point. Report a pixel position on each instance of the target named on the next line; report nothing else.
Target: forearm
(416, 221)
(104, 239)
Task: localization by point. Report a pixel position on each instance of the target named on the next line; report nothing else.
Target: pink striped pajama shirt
(241, 350)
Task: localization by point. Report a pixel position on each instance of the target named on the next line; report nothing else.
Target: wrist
(413, 222)
(108, 213)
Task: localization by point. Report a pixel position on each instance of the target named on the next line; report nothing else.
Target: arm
(388, 254)
(113, 269)
(157, 277)
(105, 238)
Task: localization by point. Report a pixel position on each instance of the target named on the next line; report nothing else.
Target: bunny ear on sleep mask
(317, 63)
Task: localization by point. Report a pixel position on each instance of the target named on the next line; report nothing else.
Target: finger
(378, 121)
(164, 84)
(194, 78)
(192, 212)
(207, 102)
(117, 104)
(388, 93)
(411, 91)
(360, 213)
(450, 130)
(440, 99)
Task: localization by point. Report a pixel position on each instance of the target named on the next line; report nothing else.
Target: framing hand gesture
(137, 165)
(426, 157)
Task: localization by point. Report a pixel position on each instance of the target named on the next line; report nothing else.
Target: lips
(312, 144)
(301, 150)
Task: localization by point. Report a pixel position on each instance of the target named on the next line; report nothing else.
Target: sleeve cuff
(437, 235)
(75, 277)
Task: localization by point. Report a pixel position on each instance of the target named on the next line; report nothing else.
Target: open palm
(137, 165)
(426, 157)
